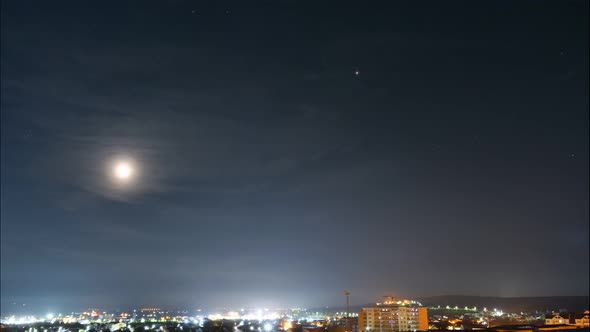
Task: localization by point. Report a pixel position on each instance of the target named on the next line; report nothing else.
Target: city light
(393, 314)
(287, 325)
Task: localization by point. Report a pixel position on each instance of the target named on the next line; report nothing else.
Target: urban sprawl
(391, 315)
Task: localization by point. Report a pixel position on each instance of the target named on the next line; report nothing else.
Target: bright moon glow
(123, 171)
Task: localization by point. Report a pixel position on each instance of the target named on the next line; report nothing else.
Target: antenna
(347, 294)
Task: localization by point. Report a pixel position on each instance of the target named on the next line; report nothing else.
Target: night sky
(287, 150)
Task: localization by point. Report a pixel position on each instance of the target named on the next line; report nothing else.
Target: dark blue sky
(455, 162)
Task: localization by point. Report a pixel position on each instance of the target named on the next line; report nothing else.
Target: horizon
(208, 309)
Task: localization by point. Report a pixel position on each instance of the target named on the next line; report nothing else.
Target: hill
(509, 304)
(512, 304)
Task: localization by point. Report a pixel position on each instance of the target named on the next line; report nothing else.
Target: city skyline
(391, 314)
(466, 304)
(268, 153)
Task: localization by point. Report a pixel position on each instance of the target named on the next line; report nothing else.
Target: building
(556, 319)
(581, 320)
(344, 325)
(393, 316)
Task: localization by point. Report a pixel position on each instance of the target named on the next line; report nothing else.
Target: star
(357, 72)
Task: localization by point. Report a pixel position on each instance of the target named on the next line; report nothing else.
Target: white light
(49, 316)
(123, 170)
(268, 327)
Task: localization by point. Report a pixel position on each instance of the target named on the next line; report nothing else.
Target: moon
(123, 171)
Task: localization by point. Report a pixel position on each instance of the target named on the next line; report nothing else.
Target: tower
(347, 294)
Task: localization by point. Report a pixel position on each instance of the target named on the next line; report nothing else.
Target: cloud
(179, 138)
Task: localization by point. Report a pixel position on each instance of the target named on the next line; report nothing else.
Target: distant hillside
(512, 304)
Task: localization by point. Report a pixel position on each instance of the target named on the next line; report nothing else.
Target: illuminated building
(555, 320)
(582, 320)
(393, 316)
